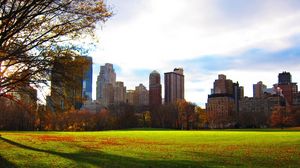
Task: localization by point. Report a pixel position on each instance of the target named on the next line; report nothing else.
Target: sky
(248, 41)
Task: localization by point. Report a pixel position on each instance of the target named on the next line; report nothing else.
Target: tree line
(181, 115)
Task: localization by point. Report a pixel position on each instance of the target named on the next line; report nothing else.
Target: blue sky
(248, 41)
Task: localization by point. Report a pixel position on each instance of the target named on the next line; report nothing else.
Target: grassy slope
(151, 149)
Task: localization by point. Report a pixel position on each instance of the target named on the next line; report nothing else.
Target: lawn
(151, 148)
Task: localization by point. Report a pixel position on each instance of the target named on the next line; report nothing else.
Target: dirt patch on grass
(143, 142)
(47, 138)
(122, 143)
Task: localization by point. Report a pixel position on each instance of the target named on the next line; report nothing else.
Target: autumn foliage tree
(34, 32)
(279, 116)
(201, 119)
(285, 116)
(16, 115)
(186, 114)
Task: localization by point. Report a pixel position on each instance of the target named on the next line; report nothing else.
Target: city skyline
(242, 39)
(219, 87)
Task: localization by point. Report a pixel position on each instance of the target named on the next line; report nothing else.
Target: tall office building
(259, 89)
(87, 83)
(154, 89)
(105, 82)
(174, 86)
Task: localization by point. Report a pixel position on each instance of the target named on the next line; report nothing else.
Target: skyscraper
(119, 92)
(87, 83)
(259, 89)
(105, 82)
(154, 89)
(174, 86)
(141, 95)
(67, 83)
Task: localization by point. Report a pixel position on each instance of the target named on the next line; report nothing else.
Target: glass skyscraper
(87, 83)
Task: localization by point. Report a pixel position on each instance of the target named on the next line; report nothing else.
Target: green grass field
(151, 148)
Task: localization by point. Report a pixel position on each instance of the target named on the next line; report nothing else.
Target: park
(55, 113)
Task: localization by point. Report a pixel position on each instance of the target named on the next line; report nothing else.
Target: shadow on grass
(5, 163)
(101, 159)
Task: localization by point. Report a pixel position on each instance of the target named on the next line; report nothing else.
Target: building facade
(107, 76)
(67, 78)
(220, 110)
(87, 83)
(107, 94)
(129, 97)
(256, 112)
(288, 89)
(222, 106)
(106, 82)
(155, 99)
(141, 96)
(119, 93)
(284, 78)
(174, 86)
(223, 85)
(259, 89)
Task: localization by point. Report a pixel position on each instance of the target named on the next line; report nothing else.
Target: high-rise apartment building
(223, 85)
(107, 94)
(223, 104)
(284, 78)
(174, 86)
(220, 111)
(287, 88)
(119, 92)
(106, 81)
(257, 111)
(141, 95)
(155, 99)
(129, 97)
(259, 89)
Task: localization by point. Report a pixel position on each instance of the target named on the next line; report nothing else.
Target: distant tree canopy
(35, 32)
